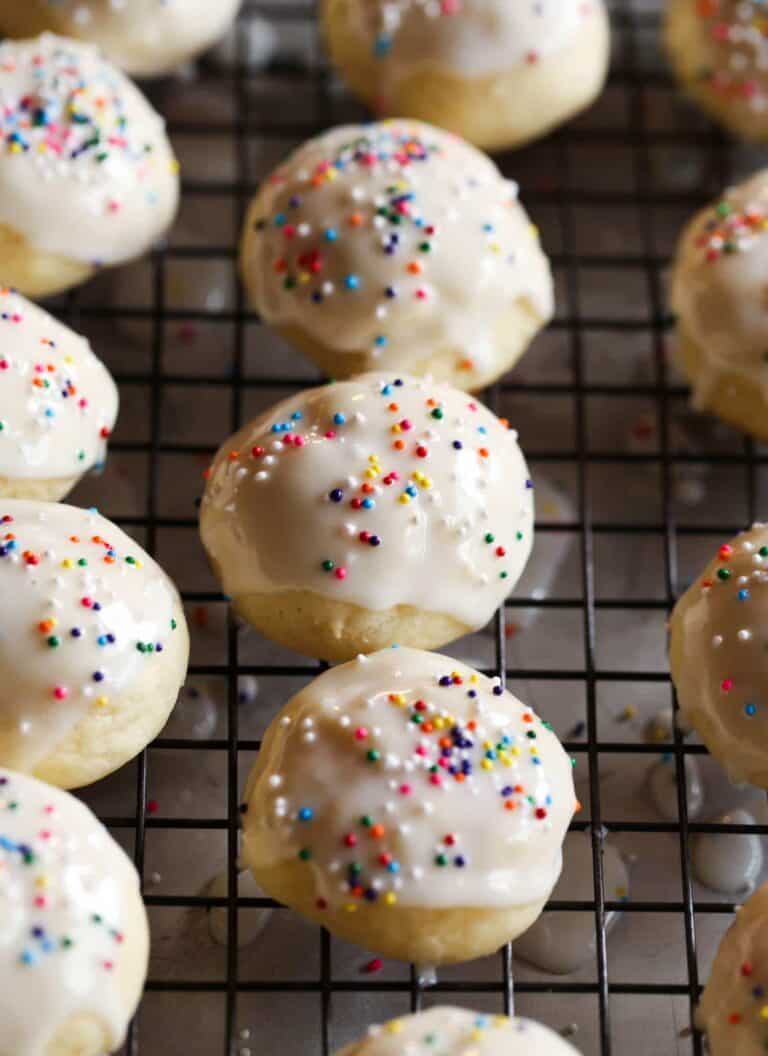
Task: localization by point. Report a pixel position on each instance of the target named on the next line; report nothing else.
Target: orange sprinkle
(483, 452)
(393, 407)
(377, 831)
(233, 456)
(466, 364)
(415, 268)
(356, 220)
(398, 445)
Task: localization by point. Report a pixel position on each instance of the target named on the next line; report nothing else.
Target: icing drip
(67, 895)
(362, 239)
(58, 403)
(375, 775)
(85, 612)
(85, 168)
(378, 491)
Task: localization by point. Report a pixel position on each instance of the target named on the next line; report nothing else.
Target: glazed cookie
(93, 644)
(362, 809)
(75, 942)
(734, 1009)
(143, 37)
(397, 246)
(87, 176)
(371, 512)
(719, 630)
(58, 403)
(719, 297)
(458, 1032)
(719, 51)
(495, 72)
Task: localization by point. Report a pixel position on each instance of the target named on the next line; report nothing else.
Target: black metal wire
(636, 137)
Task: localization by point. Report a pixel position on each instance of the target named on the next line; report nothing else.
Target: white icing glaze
(414, 493)
(67, 895)
(458, 1032)
(473, 38)
(662, 785)
(734, 1008)
(69, 600)
(721, 45)
(561, 943)
(387, 763)
(86, 170)
(391, 239)
(719, 631)
(719, 290)
(144, 37)
(58, 402)
(730, 864)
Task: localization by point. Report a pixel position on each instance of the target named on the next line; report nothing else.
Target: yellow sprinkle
(374, 459)
(487, 745)
(350, 907)
(68, 359)
(390, 898)
(506, 760)
(534, 751)
(67, 563)
(396, 428)
(394, 1026)
(398, 698)
(487, 764)
(404, 499)
(500, 1021)
(304, 277)
(174, 165)
(101, 702)
(371, 474)
(474, 678)
(514, 750)
(138, 564)
(764, 1012)
(494, 247)
(42, 882)
(15, 148)
(439, 723)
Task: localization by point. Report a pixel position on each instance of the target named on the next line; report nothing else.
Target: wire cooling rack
(646, 503)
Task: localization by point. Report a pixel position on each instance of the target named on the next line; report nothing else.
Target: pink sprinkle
(435, 779)
(109, 965)
(41, 901)
(361, 733)
(49, 808)
(330, 435)
(61, 692)
(152, 806)
(341, 573)
(726, 685)
(350, 840)
(298, 441)
(4, 364)
(421, 750)
(405, 790)
(87, 603)
(45, 834)
(16, 317)
(372, 966)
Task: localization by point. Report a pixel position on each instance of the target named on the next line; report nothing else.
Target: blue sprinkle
(743, 595)
(368, 504)
(306, 814)
(750, 709)
(331, 234)
(339, 418)
(352, 282)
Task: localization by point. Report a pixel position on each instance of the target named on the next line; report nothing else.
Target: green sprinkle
(366, 820)
(373, 756)
(54, 642)
(490, 537)
(441, 859)
(82, 562)
(328, 566)
(437, 413)
(305, 854)
(724, 574)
